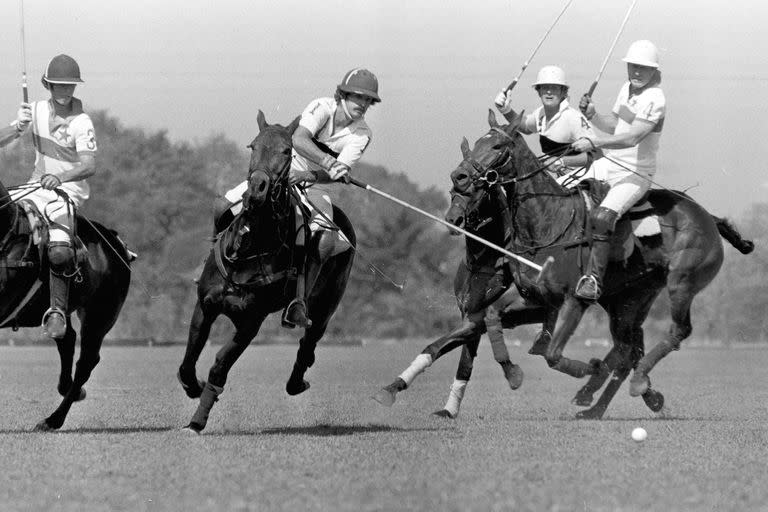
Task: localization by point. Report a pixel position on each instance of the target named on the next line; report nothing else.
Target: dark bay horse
(487, 305)
(97, 293)
(547, 220)
(251, 273)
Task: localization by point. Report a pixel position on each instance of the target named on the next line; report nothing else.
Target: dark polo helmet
(360, 81)
(62, 69)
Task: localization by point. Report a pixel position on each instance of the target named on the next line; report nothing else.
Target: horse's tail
(728, 231)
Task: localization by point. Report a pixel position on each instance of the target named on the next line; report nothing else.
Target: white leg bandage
(455, 397)
(421, 363)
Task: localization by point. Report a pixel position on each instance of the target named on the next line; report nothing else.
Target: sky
(198, 68)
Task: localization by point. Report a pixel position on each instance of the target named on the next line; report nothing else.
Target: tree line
(157, 193)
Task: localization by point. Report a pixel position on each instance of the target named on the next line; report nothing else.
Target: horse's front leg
(568, 319)
(463, 373)
(456, 338)
(199, 330)
(66, 349)
(92, 335)
(247, 325)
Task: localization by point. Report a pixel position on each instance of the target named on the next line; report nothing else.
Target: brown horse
(251, 273)
(547, 220)
(97, 293)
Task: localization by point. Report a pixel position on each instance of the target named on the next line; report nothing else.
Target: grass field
(335, 449)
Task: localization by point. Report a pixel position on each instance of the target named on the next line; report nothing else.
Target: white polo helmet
(643, 53)
(550, 75)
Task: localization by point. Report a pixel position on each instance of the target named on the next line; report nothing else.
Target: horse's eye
(461, 177)
(286, 151)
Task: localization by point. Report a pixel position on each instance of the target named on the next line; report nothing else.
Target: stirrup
(588, 288)
(295, 315)
(54, 331)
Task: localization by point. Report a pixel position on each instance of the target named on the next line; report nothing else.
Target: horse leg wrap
(209, 396)
(421, 363)
(455, 397)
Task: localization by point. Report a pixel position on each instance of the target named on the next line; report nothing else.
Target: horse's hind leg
(247, 328)
(199, 330)
(66, 349)
(680, 299)
(463, 373)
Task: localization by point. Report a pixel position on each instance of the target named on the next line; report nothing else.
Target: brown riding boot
(55, 319)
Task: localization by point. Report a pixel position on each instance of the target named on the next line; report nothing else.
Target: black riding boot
(590, 286)
(320, 249)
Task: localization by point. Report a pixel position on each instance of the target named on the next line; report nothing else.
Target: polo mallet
(540, 268)
(24, 92)
(513, 83)
(610, 51)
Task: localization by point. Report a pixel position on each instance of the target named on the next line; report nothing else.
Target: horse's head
(493, 159)
(270, 161)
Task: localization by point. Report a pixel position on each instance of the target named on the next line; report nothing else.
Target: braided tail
(728, 231)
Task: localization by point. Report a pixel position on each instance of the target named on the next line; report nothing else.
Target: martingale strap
(252, 282)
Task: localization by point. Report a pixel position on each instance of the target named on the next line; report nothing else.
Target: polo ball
(639, 434)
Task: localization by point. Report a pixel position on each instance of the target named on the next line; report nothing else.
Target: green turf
(333, 448)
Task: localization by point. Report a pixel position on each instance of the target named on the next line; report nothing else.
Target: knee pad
(603, 221)
(60, 255)
(325, 243)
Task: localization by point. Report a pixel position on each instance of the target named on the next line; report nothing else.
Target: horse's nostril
(262, 187)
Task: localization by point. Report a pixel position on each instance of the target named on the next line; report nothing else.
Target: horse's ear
(465, 147)
(492, 119)
(294, 124)
(261, 120)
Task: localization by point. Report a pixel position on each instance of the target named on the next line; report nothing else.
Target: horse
(251, 273)
(487, 304)
(97, 293)
(549, 221)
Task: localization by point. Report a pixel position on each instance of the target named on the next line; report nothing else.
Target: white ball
(639, 434)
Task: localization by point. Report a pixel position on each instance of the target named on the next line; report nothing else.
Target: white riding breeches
(56, 210)
(626, 187)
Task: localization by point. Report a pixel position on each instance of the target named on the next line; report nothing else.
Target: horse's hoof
(294, 389)
(193, 428)
(385, 397)
(444, 413)
(639, 384)
(589, 414)
(43, 426)
(654, 400)
(582, 400)
(514, 375)
(81, 396)
(192, 387)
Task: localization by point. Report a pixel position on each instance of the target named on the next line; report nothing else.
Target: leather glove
(503, 101)
(587, 107)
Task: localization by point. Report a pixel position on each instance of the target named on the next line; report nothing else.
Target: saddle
(38, 230)
(639, 222)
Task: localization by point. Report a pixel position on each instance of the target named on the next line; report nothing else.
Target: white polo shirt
(649, 105)
(349, 143)
(58, 140)
(567, 125)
